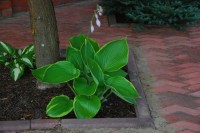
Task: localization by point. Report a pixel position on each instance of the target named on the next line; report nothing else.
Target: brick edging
(39, 124)
(143, 117)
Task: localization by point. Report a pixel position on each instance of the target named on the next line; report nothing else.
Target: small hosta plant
(95, 72)
(16, 59)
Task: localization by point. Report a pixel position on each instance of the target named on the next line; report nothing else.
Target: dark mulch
(21, 100)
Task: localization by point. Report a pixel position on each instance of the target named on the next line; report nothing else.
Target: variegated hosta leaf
(59, 72)
(2, 59)
(59, 106)
(82, 87)
(7, 64)
(27, 60)
(87, 51)
(96, 71)
(113, 56)
(86, 107)
(94, 44)
(28, 49)
(74, 56)
(120, 72)
(7, 48)
(101, 90)
(19, 52)
(17, 72)
(123, 88)
(4, 54)
(78, 41)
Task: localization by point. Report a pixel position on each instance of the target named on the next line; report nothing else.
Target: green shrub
(177, 13)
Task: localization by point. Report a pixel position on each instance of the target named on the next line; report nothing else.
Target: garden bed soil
(21, 100)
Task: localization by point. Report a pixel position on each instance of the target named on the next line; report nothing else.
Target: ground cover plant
(177, 13)
(96, 72)
(17, 60)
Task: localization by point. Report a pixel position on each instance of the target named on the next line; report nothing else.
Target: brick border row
(38, 124)
(143, 117)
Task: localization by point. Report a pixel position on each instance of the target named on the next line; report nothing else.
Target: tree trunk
(45, 33)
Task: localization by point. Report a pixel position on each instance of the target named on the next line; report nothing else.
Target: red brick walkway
(173, 57)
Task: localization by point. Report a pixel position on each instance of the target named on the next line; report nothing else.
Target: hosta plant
(96, 72)
(16, 59)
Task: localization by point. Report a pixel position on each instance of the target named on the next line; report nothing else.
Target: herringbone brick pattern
(173, 58)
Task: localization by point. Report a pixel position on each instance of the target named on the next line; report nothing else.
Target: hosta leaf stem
(104, 98)
(71, 88)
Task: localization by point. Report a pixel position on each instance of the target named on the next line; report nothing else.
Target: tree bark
(45, 33)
